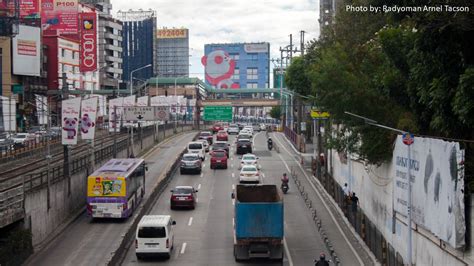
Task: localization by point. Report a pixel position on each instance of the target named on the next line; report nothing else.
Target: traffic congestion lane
(86, 242)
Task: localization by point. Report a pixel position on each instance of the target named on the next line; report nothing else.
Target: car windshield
(195, 146)
(190, 158)
(152, 232)
(244, 141)
(205, 134)
(249, 169)
(218, 154)
(248, 158)
(182, 190)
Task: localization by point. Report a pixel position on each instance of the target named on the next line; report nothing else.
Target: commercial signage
(139, 113)
(60, 16)
(437, 180)
(70, 110)
(172, 33)
(88, 117)
(218, 113)
(256, 47)
(88, 48)
(319, 114)
(27, 51)
(28, 8)
(106, 186)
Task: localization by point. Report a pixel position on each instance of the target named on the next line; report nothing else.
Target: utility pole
(291, 47)
(66, 173)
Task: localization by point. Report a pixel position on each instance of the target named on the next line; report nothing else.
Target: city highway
(204, 236)
(86, 242)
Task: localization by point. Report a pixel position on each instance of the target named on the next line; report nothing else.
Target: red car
(183, 196)
(219, 159)
(217, 127)
(222, 136)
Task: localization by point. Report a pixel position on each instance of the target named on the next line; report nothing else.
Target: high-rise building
(327, 12)
(110, 45)
(237, 65)
(172, 52)
(139, 43)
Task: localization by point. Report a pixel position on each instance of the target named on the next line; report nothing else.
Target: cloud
(224, 21)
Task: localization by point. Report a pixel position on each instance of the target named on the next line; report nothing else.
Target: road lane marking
(190, 220)
(233, 186)
(202, 175)
(233, 201)
(287, 251)
(232, 166)
(197, 200)
(231, 158)
(322, 200)
(233, 222)
(199, 187)
(183, 248)
(233, 175)
(263, 175)
(203, 165)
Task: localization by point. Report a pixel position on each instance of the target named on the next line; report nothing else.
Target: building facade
(138, 43)
(237, 65)
(172, 52)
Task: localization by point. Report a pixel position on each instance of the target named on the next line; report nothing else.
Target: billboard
(27, 51)
(172, 33)
(219, 68)
(256, 47)
(88, 47)
(27, 8)
(60, 16)
(437, 179)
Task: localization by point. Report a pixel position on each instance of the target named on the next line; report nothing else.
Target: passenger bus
(116, 188)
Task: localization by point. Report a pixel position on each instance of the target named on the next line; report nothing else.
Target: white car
(249, 174)
(198, 148)
(249, 129)
(233, 130)
(23, 138)
(205, 144)
(249, 159)
(263, 127)
(154, 236)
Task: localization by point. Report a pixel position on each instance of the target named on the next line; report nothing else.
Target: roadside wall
(374, 221)
(46, 223)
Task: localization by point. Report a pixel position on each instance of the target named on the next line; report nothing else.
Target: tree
(275, 112)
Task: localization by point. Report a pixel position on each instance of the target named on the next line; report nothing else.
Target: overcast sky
(229, 21)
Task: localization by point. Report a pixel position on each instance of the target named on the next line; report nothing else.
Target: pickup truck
(259, 220)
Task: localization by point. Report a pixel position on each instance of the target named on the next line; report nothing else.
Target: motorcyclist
(322, 260)
(284, 179)
(270, 141)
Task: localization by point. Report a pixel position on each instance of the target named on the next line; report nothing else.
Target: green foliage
(412, 71)
(275, 112)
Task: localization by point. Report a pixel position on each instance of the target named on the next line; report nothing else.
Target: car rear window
(218, 154)
(182, 191)
(195, 146)
(249, 169)
(245, 142)
(247, 157)
(190, 158)
(152, 232)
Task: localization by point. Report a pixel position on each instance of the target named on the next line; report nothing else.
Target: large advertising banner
(70, 120)
(88, 47)
(106, 186)
(219, 68)
(115, 118)
(172, 33)
(28, 8)
(27, 51)
(42, 109)
(60, 15)
(88, 117)
(437, 179)
(142, 101)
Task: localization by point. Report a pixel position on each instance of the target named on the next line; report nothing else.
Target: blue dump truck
(258, 229)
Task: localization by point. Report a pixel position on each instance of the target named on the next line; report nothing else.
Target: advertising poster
(60, 16)
(142, 101)
(437, 183)
(104, 186)
(88, 46)
(28, 8)
(70, 110)
(172, 33)
(88, 117)
(27, 51)
(7, 114)
(115, 119)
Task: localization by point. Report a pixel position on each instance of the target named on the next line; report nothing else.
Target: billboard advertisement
(256, 47)
(27, 51)
(172, 33)
(88, 117)
(28, 8)
(219, 68)
(60, 16)
(88, 47)
(70, 120)
(106, 186)
(437, 179)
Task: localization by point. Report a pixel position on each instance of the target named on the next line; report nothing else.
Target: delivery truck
(258, 228)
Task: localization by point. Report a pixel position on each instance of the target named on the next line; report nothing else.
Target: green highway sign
(218, 113)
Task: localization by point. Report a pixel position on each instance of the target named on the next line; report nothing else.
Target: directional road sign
(139, 113)
(218, 113)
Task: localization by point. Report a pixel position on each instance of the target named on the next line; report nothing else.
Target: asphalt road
(204, 236)
(87, 242)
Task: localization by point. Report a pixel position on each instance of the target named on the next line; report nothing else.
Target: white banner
(101, 106)
(88, 117)
(8, 119)
(142, 101)
(70, 120)
(42, 109)
(159, 101)
(26, 51)
(115, 119)
(437, 179)
(129, 101)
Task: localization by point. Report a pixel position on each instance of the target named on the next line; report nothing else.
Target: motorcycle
(284, 187)
(270, 146)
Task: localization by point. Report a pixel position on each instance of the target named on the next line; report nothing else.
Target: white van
(154, 236)
(197, 147)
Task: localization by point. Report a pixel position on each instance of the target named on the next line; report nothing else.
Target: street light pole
(175, 107)
(131, 93)
(409, 196)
